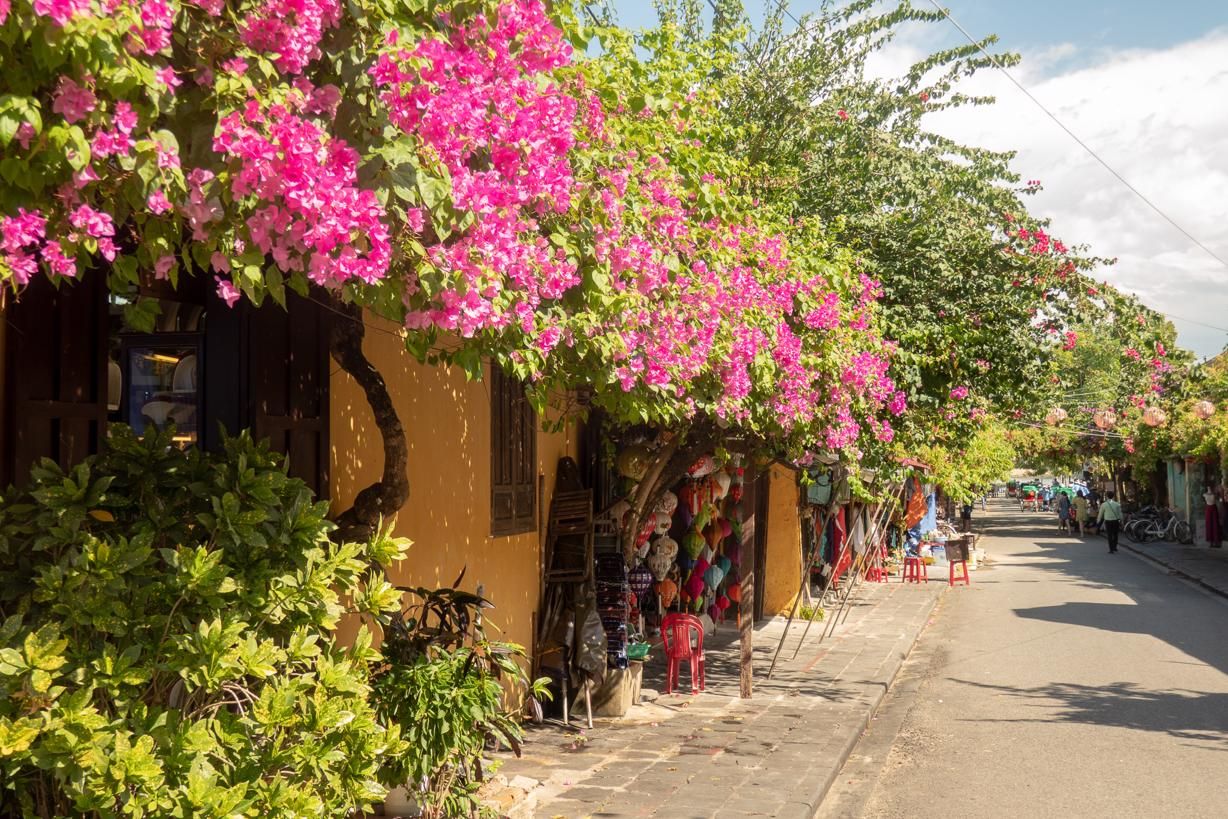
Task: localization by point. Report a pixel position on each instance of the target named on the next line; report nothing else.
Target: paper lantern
(642, 550)
(668, 503)
(714, 612)
(640, 580)
(725, 563)
(1104, 418)
(1204, 409)
(664, 521)
(1055, 416)
(667, 546)
(714, 535)
(1154, 416)
(713, 577)
(693, 543)
(722, 602)
(707, 554)
(659, 564)
(695, 585)
(646, 531)
(685, 562)
(668, 590)
(697, 605)
(703, 517)
(726, 528)
(633, 461)
(734, 592)
(705, 466)
(721, 482)
(733, 551)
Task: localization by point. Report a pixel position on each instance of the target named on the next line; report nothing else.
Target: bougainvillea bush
(456, 166)
(168, 645)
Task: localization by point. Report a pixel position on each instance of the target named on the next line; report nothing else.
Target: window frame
(513, 457)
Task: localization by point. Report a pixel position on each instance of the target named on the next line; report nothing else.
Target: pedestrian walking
(1110, 515)
(966, 517)
(1081, 506)
(1063, 512)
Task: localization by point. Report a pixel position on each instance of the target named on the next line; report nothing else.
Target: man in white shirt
(1110, 516)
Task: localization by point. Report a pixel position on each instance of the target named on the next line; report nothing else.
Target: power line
(997, 64)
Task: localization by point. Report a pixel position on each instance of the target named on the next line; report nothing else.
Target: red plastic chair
(952, 579)
(676, 636)
(915, 571)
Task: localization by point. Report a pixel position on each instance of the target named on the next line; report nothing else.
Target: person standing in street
(1080, 504)
(966, 517)
(1110, 516)
(1063, 512)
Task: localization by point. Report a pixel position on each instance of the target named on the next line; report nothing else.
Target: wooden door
(55, 374)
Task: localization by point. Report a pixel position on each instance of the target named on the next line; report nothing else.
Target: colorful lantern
(640, 581)
(1204, 409)
(702, 468)
(668, 590)
(1055, 416)
(1154, 416)
(633, 461)
(668, 503)
(734, 592)
(1104, 418)
(693, 543)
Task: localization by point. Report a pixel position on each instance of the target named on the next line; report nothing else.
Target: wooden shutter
(287, 359)
(513, 457)
(56, 374)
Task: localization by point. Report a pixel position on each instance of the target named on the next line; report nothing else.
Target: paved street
(1068, 682)
(715, 756)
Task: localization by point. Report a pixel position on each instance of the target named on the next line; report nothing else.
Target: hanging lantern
(1204, 409)
(1055, 416)
(1104, 418)
(1154, 416)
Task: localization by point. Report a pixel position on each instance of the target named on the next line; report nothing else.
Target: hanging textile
(843, 555)
(915, 509)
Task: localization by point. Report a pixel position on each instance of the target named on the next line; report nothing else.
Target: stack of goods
(613, 591)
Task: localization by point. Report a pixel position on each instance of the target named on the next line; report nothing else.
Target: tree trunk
(384, 498)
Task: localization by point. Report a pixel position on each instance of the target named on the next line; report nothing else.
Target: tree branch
(385, 497)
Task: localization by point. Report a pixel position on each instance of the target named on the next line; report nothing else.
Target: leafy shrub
(167, 623)
(445, 683)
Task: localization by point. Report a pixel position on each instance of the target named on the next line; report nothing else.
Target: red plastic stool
(951, 579)
(914, 570)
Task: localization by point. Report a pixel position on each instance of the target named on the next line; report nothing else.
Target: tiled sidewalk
(715, 755)
(1205, 566)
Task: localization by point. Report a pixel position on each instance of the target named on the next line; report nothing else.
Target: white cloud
(1160, 118)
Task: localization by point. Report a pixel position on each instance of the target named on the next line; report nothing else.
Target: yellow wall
(783, 559)
(447, 423)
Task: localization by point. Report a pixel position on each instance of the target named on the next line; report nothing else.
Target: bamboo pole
(816, 541)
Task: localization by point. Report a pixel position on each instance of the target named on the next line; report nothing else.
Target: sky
(1145, 85)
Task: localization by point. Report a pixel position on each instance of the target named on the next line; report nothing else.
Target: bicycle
(1152, 529)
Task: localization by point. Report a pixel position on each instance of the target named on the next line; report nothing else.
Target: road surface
(1065, 682)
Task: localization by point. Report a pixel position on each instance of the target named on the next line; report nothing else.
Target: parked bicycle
(1149, 525)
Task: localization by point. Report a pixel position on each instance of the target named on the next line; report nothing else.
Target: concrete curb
(863, 722)
(1198, 581)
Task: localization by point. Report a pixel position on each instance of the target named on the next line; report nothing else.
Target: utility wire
(997, 64)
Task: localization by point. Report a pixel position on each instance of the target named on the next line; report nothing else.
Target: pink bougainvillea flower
(844, 115)
(227, 291)
(1070, 340)
(61, 11)
(158, 203)
(168, 78)
(57, 261)
(219, 262)
(162, 267)
(73, 101)
(25, 132)
(959, 393)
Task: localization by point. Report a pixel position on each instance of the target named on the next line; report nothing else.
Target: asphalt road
(1065, 682)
